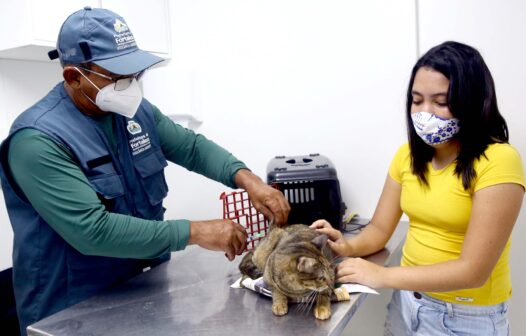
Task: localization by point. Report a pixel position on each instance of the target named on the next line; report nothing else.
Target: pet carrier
(311, 186)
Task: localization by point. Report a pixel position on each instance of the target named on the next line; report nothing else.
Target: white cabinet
(30, 27)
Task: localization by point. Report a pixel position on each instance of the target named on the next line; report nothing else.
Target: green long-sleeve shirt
(60, 192)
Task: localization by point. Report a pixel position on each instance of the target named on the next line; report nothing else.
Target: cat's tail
(248, 268)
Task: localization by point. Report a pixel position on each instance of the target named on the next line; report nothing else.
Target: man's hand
(267, 200)
(219, 235)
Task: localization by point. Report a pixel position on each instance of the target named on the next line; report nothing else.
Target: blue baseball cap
(102, 37)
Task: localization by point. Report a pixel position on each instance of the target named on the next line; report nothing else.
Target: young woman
(461, 185)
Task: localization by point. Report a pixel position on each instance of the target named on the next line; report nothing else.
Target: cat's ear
(320, 241)
(306, 264)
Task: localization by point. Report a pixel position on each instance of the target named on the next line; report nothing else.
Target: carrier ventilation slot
(298, 195)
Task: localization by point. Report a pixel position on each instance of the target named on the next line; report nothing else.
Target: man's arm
(203, 156)
(60, 192)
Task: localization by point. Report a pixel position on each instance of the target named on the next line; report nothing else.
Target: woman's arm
(385, 219)
(494, 212)
(376, 234)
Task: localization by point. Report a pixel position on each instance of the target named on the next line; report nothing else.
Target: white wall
(295, 77)
(291, 78)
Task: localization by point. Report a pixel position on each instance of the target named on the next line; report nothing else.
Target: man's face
(82, 89)
(85, 82)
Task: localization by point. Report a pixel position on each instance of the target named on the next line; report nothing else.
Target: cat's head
(301, 268)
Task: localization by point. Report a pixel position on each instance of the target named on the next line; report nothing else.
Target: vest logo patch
(140, 143)
(133, 127)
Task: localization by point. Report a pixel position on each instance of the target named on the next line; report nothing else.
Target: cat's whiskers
(322, 289)
(333, 260)
(310, 298)
(313, 296)
(302, 307)
(306, 302)
(316, 298)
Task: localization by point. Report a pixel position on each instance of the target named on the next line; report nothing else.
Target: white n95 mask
(432, 129)
(112, 98)
(124, 102)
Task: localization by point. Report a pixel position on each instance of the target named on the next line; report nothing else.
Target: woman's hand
(336, 240)
(361, 271)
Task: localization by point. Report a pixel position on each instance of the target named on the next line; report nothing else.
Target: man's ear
(71, 76)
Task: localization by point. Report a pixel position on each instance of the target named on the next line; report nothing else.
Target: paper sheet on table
(357, 288)
(259, 286)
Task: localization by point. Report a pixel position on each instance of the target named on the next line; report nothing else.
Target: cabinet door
(47, 17)
(148, 20)
(30, 27)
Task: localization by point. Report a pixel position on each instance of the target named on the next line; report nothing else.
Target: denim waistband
(465, 309)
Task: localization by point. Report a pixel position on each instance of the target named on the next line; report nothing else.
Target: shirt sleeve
(195, 152)
(501, 163)
(59, 191)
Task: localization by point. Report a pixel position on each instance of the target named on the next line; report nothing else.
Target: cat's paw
(280, 309)
(322, 312)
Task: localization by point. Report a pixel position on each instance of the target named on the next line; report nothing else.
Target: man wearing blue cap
(83, 175)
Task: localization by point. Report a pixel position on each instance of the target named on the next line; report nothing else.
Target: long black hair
(471, 99)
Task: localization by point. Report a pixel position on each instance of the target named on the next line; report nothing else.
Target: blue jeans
(411, 313)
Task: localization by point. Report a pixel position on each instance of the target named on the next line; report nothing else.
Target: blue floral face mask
(432, 129)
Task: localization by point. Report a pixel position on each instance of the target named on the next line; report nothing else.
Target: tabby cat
(295, 263)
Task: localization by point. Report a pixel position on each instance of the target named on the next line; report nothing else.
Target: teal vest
(48, 273)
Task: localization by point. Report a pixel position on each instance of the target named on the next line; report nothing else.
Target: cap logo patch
(120, 26)
(123, 37)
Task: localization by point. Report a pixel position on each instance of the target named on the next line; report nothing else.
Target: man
(82, 175)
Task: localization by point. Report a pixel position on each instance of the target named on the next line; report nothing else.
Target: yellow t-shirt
(439, 217)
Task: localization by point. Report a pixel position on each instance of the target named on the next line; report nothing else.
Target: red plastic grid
(238, 208)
